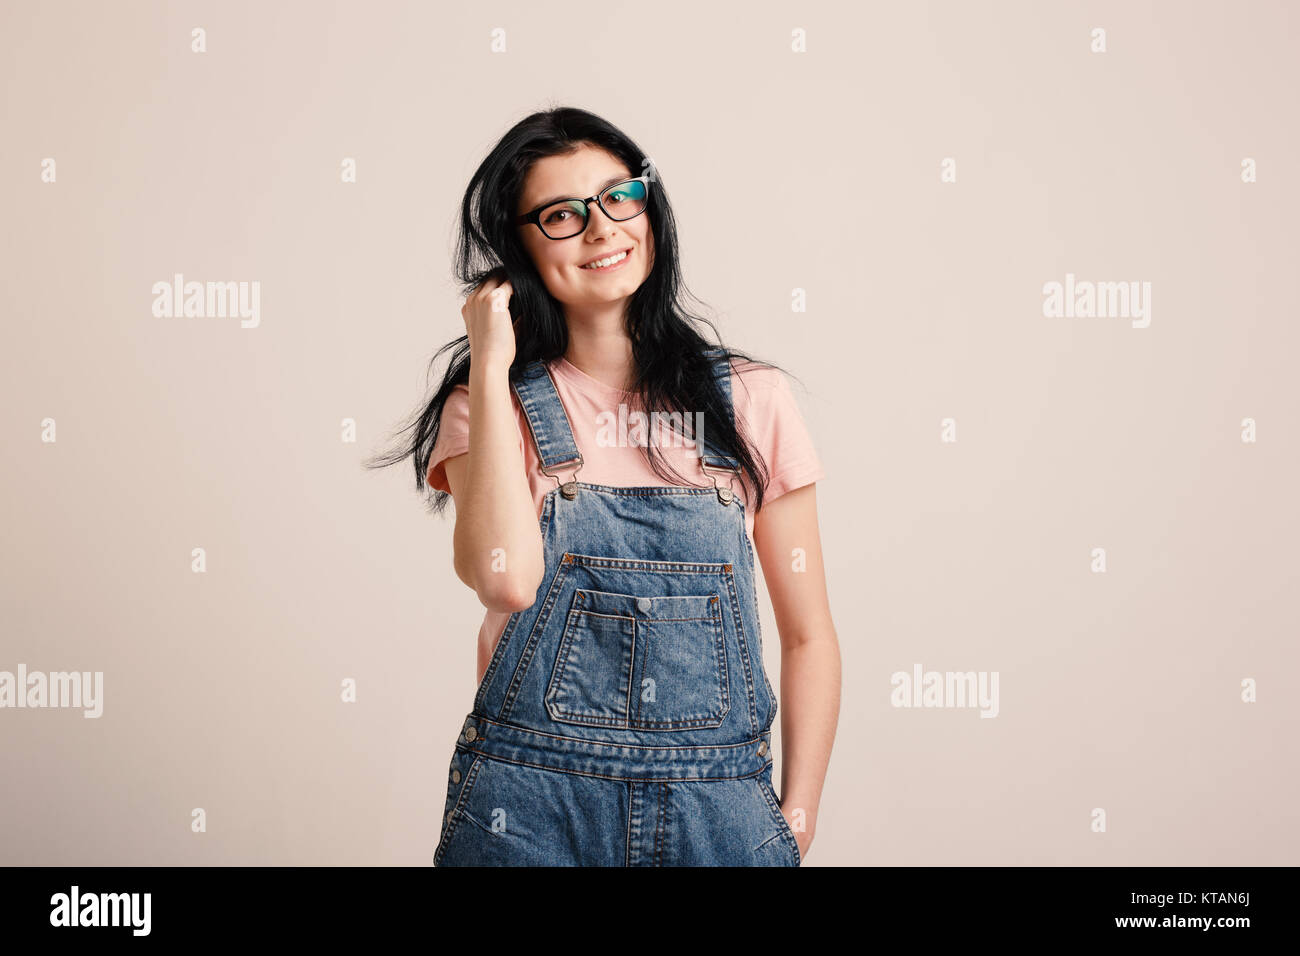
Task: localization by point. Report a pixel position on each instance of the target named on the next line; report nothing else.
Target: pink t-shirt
(761, 397)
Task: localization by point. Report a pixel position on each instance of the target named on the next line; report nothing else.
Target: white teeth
(601, 263)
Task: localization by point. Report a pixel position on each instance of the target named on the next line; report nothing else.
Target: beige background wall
(1118, 690)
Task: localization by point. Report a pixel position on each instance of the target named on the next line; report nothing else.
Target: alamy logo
(946, 689)
(56, 689)
(1086, 299)
(102, 909)
(211, 300)
(635, 428)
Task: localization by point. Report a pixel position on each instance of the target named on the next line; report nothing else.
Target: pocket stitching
(568, 639)
(719, 643)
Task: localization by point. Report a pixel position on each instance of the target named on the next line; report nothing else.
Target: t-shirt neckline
(583, 382)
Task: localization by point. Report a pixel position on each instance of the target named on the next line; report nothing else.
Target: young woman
(623, 713)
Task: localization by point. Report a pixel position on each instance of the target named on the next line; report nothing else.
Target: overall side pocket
(783, 825)
(464, 772)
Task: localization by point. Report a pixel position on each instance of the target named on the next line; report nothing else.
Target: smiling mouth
(609, 262)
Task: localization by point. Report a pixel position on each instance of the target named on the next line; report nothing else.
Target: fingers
(501, 298)
(488, 288)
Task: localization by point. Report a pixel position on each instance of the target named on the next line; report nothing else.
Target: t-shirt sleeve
(767, 405)
(453, 436)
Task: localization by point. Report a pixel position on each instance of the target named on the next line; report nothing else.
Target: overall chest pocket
(640, 662)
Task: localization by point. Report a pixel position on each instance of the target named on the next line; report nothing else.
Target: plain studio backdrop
(875, 196)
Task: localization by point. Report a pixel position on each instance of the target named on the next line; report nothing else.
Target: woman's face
(559, 261)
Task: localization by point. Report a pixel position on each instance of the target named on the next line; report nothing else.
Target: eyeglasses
(569, 217)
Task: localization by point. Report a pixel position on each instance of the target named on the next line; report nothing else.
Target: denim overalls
(624, 718)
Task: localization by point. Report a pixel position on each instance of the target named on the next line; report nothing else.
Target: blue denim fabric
(624, 719)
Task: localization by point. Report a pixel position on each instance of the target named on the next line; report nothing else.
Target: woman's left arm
(788, 543)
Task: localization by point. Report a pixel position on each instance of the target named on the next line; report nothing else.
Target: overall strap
(712, 457)
(549, 423)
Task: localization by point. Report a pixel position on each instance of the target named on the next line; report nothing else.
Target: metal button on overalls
(622, 718)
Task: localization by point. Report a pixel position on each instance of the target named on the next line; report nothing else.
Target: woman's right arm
(497, 540)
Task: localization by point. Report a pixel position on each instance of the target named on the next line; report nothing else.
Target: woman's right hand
(487, 321)
(495, 511)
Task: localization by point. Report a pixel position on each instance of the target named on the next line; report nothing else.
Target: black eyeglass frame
(535, 217)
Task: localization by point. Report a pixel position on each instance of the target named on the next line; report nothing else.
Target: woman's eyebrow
(609, 182)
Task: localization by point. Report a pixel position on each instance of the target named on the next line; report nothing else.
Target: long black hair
(672, 372)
